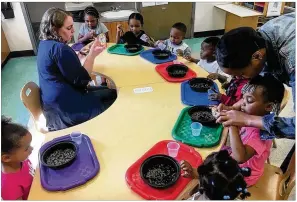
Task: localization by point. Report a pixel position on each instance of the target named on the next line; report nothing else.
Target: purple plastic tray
(77, 46)
(85, 167)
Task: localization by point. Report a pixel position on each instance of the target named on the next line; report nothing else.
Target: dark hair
(213, 41)
(273, 89)
(136, 16)
(236, 47)
(92, 11)
(11, 133)
(180, 26)
(51, 19)
(221, 178)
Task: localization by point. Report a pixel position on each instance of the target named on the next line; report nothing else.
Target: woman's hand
(189, 172)
(223, 107)
(96, 48)
(234, 118)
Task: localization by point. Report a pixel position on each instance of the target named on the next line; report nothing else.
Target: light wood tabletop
(130, 127)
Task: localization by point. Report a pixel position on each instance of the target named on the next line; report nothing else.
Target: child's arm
(215, 76)
(191, 59)
(240, 152)
(107, 37)
(86, 37)
(119, 32)
(189, 171)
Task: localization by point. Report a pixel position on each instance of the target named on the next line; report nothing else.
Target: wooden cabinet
(112, 29)
(4, 46)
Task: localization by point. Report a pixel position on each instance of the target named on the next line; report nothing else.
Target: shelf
(260, 4)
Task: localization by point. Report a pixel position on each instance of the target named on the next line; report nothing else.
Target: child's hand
(189, 172)
(213, 76)
(179, 52)
(119, 28)
(223, 107)
(215, 96)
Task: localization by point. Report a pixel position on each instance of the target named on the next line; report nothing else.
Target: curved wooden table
(130, 127)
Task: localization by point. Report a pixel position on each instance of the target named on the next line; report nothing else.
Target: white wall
(37, 9)
(208, 18)
(16, 31)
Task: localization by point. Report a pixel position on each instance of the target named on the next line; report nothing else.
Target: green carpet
(15, 74)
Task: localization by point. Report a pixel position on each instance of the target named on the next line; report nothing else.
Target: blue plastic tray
(85, 167)
(193, 98)
(150, 57)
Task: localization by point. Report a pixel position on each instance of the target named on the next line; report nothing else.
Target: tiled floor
(18, 71)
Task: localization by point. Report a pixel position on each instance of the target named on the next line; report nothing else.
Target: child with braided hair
(220, 178)
(262, 95)
(92, 26)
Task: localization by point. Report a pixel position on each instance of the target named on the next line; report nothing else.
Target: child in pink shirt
(262, 95)
(17, 172)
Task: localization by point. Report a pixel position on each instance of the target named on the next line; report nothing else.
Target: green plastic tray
(209, 136)
(119, 49)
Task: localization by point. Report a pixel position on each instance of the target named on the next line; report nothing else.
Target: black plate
(161, 54)
(210, 120)
(166, 161)
(133, 48)
(200, 84)
(177, 70)
(59, 145)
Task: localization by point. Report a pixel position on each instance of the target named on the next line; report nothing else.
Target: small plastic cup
(196, 128)
(173, 148)
(76, 137)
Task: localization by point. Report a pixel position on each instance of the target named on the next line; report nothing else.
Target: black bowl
(202, 115)
(64, 160)
(177, 70)
(159, 164)
(133, 48)
(161, 54)
(200, 84)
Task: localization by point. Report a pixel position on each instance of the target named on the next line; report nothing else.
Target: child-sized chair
(274, 184)
(30, 96)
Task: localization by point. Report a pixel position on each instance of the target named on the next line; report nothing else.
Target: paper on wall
(147, 4)
(274, 9)
(161, 3)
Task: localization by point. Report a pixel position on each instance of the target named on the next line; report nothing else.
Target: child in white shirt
(175, 43)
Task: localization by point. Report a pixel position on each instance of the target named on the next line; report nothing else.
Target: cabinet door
(112, 29)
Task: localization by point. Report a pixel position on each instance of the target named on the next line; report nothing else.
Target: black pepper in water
(161, 174)
(60, 157)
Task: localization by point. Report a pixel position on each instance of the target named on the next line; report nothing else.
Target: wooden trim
(4, 47)
(16, 54)
(209, 33)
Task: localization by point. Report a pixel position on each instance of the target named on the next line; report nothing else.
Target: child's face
(254, 103)
(21, 153)
(176, 36)
(135, 26)
(91, 21)
(207, 51)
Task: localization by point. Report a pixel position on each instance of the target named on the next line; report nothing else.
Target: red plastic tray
(161, 69)
(136, 183)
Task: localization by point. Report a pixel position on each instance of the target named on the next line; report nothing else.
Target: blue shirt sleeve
(280, 127)
(71, 68)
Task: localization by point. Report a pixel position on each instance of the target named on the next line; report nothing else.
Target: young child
(17, 172)
(220, 178)
(208, 62)
(92, 26)
(261, 96)
(233, 89)
(175, 43)
(136, 35)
